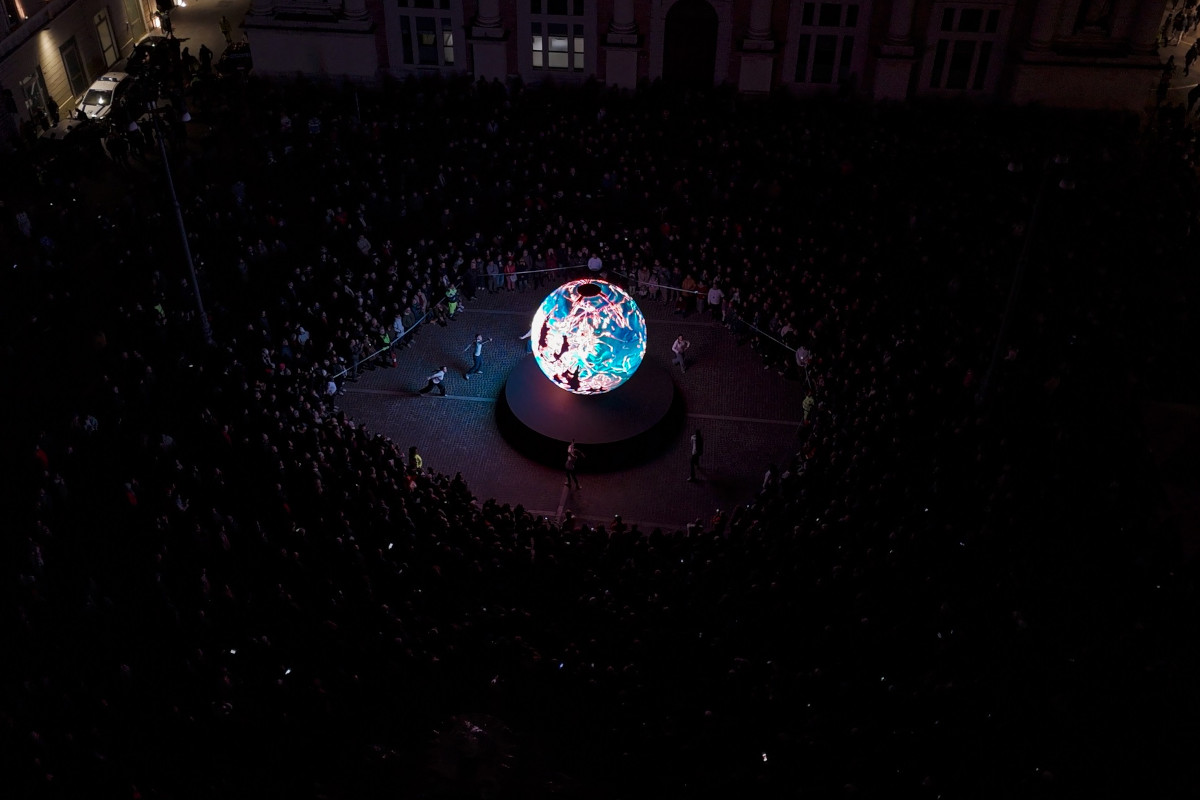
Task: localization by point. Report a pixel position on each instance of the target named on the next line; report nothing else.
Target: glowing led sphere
(589, 336)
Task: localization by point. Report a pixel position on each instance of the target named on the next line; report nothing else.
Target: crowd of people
(216, 582)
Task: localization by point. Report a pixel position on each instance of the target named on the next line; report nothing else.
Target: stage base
(625, 426)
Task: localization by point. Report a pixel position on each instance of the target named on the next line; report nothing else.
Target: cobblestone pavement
(749, 416)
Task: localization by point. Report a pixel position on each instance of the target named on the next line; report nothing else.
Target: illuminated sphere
(589, 336)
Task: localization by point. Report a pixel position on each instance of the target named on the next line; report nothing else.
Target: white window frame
(850, 42)
(447, 17)
(78, 81)
(983, 47)
(105, 36)
(571, 42)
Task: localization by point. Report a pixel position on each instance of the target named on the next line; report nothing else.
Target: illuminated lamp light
(589, 336)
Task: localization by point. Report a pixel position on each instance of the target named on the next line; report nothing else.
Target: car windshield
(96, 97)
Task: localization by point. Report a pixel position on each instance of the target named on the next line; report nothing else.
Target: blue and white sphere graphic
(589, 336)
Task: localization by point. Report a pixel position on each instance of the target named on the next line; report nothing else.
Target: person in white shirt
(715, 296)
(435, 382)
(679, 347)
(477, 367)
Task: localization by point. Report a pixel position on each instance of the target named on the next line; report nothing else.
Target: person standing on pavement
(434, 381)
(477, 367)
(573, 456)
(697, 451)
(206, 57)
(679, 347)
(716, 298)
(356, 353)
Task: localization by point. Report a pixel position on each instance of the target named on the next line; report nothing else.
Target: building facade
(1088, 53)
(1080, 53)
(50, 52)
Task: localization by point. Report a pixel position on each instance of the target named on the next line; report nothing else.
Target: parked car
(152, 54)
(108, 92)
(70, 145)
(235, 60)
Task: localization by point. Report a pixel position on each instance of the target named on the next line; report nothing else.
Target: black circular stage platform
(614, 429)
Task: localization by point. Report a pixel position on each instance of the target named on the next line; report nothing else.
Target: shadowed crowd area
(967, 580)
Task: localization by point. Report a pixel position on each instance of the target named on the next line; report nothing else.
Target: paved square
(749, 416)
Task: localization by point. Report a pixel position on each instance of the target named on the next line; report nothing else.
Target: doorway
(690, 45)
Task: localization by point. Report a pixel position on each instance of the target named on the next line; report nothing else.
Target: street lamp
(1014, 291)
(205, 328)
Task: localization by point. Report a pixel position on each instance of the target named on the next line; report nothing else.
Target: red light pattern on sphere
(589, 336)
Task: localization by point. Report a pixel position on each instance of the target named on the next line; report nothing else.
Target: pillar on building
(488, 40)
(760, 21)
(356, 10)
(623, 22)
(489, 15)
(897, 55)
(1065, 28)
(1045, 21)
(1112, 65)
(621, 47)
(758, 50)
(261, 8)
(1143, 34)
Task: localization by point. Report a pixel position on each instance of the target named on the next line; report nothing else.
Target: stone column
(897, 56)
(760, 20)
(489, 14)
(1069, 11)
(757, 70)
(900, 23)
(1045, 20)
(1143, 35)
(621, 47)
(488, 47)
(623, 22)
(261, 8)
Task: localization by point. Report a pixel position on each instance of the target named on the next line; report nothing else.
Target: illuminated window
(426, 36)
(558, 39)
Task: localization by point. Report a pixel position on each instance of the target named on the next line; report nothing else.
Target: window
(135, 26)
(556, 8)
(557, 58)
(963, 45)
(33, 87)
(557, 37)
(426, 34)
(825, 42)
(104, 33)
(73, 65)
(829, 15)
